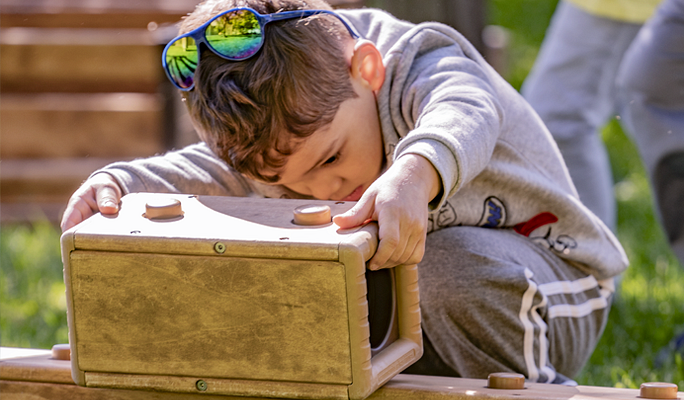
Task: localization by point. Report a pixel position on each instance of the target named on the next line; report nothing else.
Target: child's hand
(398, 200)
(100, 193)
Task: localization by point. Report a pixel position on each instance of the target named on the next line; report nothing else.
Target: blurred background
(81, 85)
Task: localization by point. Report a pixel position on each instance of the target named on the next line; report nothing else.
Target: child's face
(340, 161)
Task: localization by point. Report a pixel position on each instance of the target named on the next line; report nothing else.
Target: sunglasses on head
(236, 34)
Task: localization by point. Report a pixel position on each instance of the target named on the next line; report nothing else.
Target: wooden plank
(104, 6)
(45, 180)
(118, 125)
(38, 368)
(79, 60)
(99, 14)
(401, 387)
(39, 189)
(19, 390)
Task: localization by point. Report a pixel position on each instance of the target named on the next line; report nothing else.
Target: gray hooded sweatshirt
(498, 164)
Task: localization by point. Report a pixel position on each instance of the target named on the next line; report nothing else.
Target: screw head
(219, 247)
(201, 385)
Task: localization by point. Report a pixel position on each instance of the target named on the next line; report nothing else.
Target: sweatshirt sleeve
(193, 170)
(442, 104)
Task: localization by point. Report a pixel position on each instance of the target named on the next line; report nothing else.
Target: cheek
(299, 188)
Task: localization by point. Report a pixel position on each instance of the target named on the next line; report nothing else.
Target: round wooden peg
(506, 380)
(61, 352)
(312, 214)
(163, 209)
(658, 390)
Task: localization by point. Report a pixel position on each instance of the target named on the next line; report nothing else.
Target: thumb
(108, 200)
(361, 213)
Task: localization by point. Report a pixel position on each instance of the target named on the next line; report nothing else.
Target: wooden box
(232, 297)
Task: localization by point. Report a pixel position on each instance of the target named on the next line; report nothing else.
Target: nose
(324, 187)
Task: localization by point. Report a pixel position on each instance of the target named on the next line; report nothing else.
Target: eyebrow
(326, 155)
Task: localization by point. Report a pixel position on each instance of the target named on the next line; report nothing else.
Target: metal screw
(220, 247)
(201, 385)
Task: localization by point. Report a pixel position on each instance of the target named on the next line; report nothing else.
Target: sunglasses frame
(198, 34)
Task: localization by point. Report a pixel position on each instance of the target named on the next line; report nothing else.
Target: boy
(516, 273)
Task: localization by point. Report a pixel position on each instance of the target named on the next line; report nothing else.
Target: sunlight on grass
(647, 311)
(32, 300)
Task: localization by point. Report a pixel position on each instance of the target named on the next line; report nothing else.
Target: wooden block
(117, 125)
(232, 297)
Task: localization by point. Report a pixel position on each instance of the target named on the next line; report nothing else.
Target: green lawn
(647, 312)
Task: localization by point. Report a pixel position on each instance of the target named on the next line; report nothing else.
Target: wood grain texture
(231, 292)
(40, 384)
(261, 319)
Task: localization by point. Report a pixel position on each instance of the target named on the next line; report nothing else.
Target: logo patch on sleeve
(494, 213)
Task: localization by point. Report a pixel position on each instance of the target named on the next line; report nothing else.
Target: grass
(646, 313)
(32, 301)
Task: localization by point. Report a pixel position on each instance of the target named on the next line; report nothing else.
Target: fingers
(100, 193)
(399, 244)
(75, 212)
(108, 198)
(358, 215)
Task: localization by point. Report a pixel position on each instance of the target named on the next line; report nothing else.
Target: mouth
(355, 195)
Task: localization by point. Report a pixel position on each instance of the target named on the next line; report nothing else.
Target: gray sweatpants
(493, 301)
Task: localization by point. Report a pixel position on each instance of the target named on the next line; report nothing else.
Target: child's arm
(398, 200)
(194, 169)
(100, 193)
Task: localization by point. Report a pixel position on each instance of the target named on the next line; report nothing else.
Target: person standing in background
(572, 87)
(651, 100)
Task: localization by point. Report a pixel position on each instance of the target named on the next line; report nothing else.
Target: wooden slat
(118, 125)
(105, 14)
(44, 180)
(39, 189)
(79, 60)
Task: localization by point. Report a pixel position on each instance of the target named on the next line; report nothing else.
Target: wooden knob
(506, 380)
(312, 214)
(658, 390)
(163, 209)
(61, 352)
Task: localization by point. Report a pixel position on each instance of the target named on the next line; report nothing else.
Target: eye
(332, 159)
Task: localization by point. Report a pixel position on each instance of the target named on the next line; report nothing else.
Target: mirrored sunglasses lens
(235, 35)
(181, 61)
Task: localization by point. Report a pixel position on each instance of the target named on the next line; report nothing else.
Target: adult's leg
(493, 301)
(571, 86)
(652, 96)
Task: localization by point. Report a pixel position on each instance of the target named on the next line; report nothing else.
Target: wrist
(423, 172)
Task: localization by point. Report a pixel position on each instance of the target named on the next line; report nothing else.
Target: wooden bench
(34, 374)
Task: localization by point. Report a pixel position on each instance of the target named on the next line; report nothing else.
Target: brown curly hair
(249, 112)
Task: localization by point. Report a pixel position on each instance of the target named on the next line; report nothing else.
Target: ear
(366, 64)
